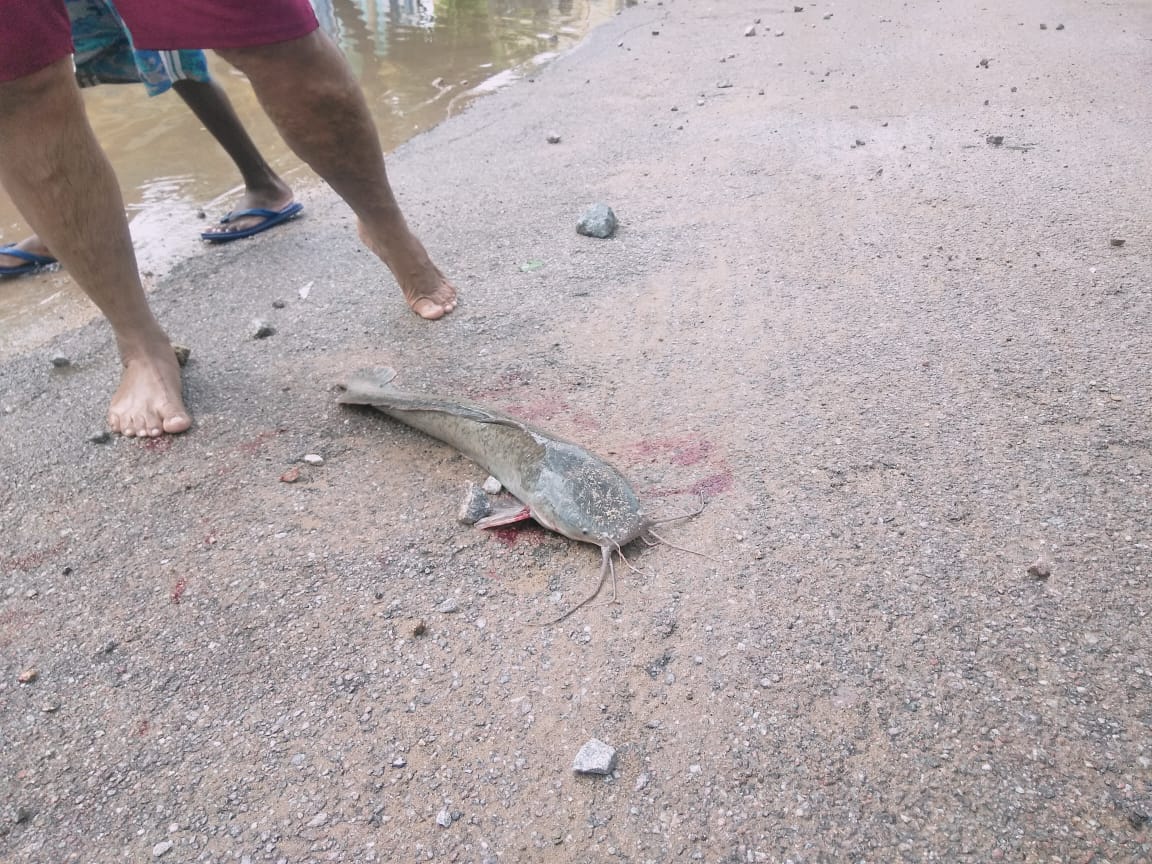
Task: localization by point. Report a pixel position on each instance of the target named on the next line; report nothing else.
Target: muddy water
(418, 63)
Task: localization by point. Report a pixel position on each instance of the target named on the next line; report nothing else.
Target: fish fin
(513, 511)
(367, 385)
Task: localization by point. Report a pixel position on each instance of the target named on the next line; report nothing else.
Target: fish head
(589, 501)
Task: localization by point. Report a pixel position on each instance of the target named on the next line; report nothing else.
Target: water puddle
(418, 61)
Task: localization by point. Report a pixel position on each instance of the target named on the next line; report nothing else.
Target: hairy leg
(308, 90)
(60, 179)
(264, 188)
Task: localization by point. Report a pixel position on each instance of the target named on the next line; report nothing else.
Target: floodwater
(418, 61)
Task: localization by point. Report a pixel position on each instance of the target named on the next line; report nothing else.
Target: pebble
(419, 628)
(595, 757)
(100, 438)
(399, 762)
(314, 459)
(642, 782)
(751, 31)
(299, 760)
(1059, 26)
(779, 32)
(1043, 26)
(278, 304)
(827, 16)
(995, 140)
(492, 486)
(723, 85)
(183, 353)
(291, 475)
(162, 848)
(444, 818)
(553, 139)
(61, 360)
(1116, 241)
(474, 506)
(1040, 570)
(449, 606)
(598, 221)
(860, 142)
(984, 62)
(261, 329)
(317, 820)
(797, 8)
(28, 676)
(50, 707)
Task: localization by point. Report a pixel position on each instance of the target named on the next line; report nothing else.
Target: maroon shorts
(37, 33)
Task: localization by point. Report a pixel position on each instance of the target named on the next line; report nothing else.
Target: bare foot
(32, 244)
(275, 197)
(428, 291)
(148, 402)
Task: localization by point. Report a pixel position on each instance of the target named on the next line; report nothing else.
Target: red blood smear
(178, 590)
(161, 444)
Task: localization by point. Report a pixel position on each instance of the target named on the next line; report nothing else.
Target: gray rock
(595, 757)
(492, 486)
(1040, 570)
(449, 606)
(317, 820)
(261, 329)
(1059, 26)
(1116, 241)
(597, 221)
(61, 360)
(723, 84)
(474, 506)
(553, 138)
(444, 818)
(100, 438)
(183, 353)
(161, 848)
(751, 31)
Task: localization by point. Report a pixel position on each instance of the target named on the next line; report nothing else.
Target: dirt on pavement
(905, 364)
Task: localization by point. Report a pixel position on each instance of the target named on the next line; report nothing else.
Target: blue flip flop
(271, 218)
(35, 262)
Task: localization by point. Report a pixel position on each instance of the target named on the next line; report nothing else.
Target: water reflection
(418, 61)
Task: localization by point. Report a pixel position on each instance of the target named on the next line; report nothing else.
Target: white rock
(492, 486)
(314, 459)
(595, 757)
(444, 818)
(161, 848)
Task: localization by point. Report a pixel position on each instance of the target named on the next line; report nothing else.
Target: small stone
(314, 459)
(22, 815)
(492, 486)
(449, 606)
(1043, 26)
(474, 506)
(995, 140)
(437, 82)
(182, 352)
(161, 848)
(642, 782)
(50, 707)
(1116, 241)
(419, 628)
(779, 32)
(60, 361)
(278, 304)
(444, 818)
(751, 31)
(723, 85)
(553, 139)
(1040, 570)
(797, 8)
(984, 62)
(28, 676)
(261, 329)
(100, 437)
(765, 683)
(399, 762)
(1059, 26)
(699, 101)
(299, 760)
(827, 16)
(291, 475)
(597, 221)
(595, 757)
(859, 142)
(317, 820)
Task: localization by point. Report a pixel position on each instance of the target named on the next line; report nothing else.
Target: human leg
(59, 178)
(309, 91)
(263, 187)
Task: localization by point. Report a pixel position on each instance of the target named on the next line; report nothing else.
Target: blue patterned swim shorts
(104, 53)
